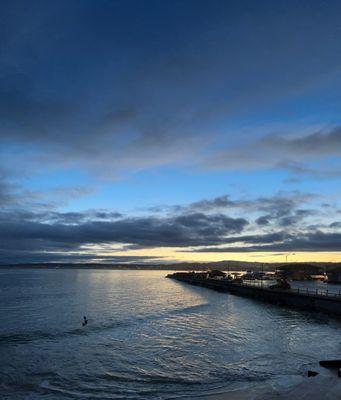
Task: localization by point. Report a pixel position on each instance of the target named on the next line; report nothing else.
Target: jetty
(303, 299)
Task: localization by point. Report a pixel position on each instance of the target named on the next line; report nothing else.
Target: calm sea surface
(147, 338)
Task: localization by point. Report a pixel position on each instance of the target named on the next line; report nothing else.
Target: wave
(148, 378)
(191, 309)
(26, 337)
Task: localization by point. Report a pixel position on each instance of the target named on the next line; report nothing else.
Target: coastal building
(216, 274)
(297, 271)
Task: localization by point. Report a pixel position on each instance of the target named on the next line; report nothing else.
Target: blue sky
(169, 128)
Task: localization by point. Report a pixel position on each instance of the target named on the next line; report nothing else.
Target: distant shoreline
(88, 266)
(220, 265)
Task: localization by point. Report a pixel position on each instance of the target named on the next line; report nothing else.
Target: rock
(312, 373)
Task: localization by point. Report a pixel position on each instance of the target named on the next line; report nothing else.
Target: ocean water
(148, 337)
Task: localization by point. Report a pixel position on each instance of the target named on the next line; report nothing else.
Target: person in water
(85, 321)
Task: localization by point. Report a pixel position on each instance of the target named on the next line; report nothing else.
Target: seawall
(326, 303)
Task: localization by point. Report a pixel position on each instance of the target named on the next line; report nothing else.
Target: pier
(303, 299)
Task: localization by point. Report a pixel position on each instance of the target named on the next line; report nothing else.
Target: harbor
(281, 294)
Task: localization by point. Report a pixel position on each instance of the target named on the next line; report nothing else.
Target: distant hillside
(220, 265)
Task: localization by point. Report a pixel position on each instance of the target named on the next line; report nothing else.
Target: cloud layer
(206, 226)
(127, 98)
(290, 153)
(97, 86)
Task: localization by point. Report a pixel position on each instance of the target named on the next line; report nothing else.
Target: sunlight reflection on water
(148, 337)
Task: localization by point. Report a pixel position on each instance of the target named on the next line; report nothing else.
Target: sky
(155, 131)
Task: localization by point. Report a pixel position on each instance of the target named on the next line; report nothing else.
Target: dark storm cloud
(283, 208)
(314, 241)
(263, 220)
(214, 204)
(336, 224)
(72, 218)
(246, 240)
(200, 224)
(192, 229)
(281, 203)
(269, 238)
(54, 217)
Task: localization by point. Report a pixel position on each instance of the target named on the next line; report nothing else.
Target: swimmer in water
(85, 321)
